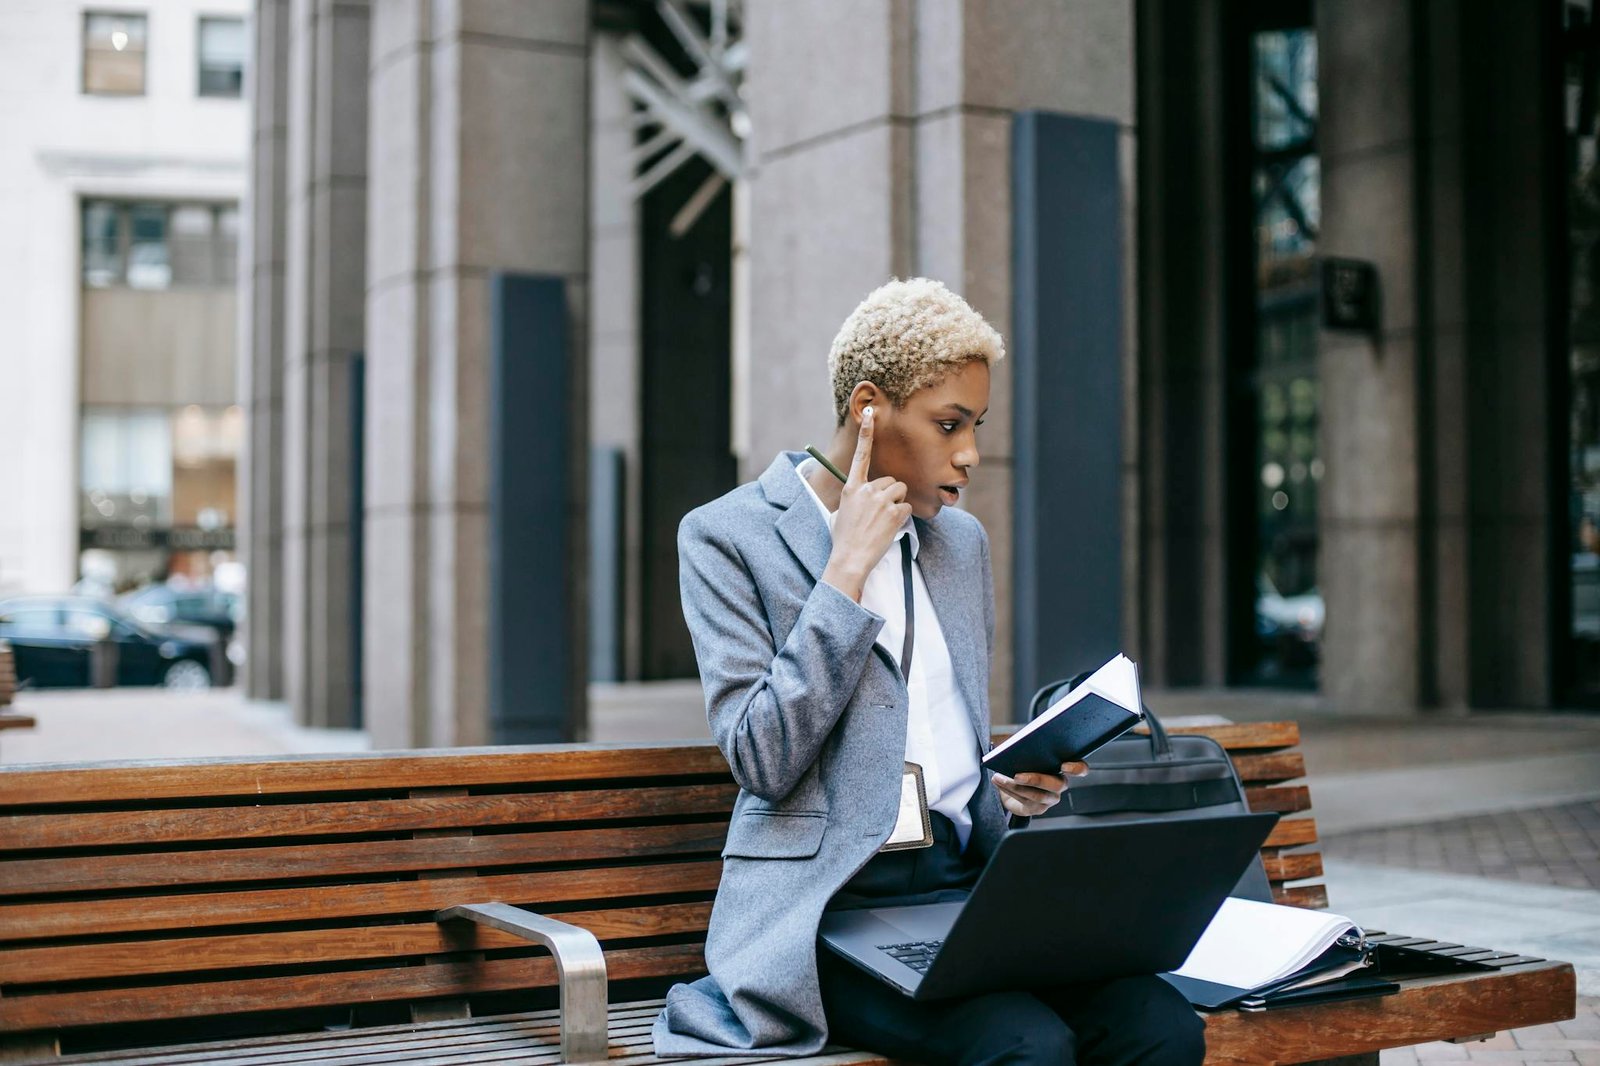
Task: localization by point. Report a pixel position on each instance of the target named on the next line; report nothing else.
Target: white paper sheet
(1249, 944)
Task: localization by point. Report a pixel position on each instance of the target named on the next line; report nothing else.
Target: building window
(102, 244)
(1581, 181)
(149, 260)
(158, 245)
(222, 45)
(157, 492)
(113, 53)
(126, 468)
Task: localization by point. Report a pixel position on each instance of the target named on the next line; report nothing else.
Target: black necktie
(911, 610)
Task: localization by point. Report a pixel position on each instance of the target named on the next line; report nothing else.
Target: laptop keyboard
(918, 956)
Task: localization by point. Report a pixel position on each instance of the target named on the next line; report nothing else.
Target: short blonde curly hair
(905, 336)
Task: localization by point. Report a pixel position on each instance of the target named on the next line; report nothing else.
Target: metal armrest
(580, 969)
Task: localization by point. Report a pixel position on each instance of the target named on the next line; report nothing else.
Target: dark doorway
(686, 352)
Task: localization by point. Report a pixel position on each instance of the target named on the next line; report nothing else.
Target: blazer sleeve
(770, 708)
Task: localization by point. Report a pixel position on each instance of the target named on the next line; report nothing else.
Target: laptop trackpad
(925, 921)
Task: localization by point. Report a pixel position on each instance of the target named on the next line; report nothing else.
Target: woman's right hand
(870, 514)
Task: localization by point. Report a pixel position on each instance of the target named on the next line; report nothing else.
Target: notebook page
(1249, 944)
(1118, 681)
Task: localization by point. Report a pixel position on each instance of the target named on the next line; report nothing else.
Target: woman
(842, 631)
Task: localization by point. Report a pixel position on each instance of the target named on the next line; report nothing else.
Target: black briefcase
(1155, 776)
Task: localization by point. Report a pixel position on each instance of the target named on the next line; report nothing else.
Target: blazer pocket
(775, 835)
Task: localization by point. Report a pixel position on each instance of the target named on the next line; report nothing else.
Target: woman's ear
(865, 395)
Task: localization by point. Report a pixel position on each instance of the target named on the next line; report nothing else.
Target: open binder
(1259, 955)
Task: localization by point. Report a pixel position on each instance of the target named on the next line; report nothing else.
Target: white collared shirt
(939, 735)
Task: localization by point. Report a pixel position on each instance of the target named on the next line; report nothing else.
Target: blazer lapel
(801, 528)
(953, 591)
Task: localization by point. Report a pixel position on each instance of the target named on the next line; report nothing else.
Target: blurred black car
(157, 606)
(54, 640)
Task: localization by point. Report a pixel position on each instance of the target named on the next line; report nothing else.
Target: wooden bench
(301, 908)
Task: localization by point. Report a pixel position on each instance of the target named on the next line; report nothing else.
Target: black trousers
(1130, 1020)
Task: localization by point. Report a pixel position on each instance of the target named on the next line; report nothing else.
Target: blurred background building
(122, 169)
(1301, 392)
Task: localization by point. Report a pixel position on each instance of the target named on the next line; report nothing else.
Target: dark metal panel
(606, 512)
(1067, 399)
(532, 697)
(358, 528)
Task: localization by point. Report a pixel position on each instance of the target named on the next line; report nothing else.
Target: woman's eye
(949, 427)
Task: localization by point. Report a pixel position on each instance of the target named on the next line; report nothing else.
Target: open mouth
(949, 494)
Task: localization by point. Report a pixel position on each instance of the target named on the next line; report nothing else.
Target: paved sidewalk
(1545, 846)
(77, 725)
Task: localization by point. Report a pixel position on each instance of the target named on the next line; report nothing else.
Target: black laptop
(1059, 904)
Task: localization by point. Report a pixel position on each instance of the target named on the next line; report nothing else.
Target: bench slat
(444, 1031)
(1270, 769)
(344, 818)
(1246, 736)
(33, 921)
(1314, 897)
(98, 873)
(196, 1000)
(478, 1044)
(60, 783)
(479, 1041)
(55, 965)
(1292, 832)
(1283, 798)
(1296, 867)
(35, 785)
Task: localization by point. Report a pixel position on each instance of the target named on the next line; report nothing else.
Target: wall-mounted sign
(1349, 295)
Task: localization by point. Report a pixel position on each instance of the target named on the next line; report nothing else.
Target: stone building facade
(1377, 511)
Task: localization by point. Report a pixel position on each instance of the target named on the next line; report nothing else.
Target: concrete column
(325, 282)
(261, 348)
(481, 127)
(614, 348)
(882, 147)
(396, 623)
(1370, 523)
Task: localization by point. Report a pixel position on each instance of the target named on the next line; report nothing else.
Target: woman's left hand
(1029, 795)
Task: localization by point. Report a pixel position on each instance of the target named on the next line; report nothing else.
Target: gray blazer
(811, 715)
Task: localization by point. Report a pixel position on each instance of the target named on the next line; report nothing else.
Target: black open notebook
(1103, 707)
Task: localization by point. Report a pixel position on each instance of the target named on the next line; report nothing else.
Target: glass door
(1581, 180)
(1277, 390)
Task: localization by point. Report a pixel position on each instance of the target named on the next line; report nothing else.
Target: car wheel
(186, 675)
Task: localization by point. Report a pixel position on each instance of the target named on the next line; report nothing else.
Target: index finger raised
(863, 456)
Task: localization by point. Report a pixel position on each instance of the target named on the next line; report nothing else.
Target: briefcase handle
(1160, 746)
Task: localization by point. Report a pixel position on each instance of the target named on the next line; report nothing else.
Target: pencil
(826, 465)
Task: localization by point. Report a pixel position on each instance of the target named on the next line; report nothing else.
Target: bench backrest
(184, 889)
